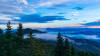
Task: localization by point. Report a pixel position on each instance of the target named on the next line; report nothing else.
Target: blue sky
(50, 13)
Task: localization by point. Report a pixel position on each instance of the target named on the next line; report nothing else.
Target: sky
(50, 13)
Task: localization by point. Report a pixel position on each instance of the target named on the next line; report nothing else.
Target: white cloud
(10, 7)
(24, 1)
(16, 17)
(54, 2)
(46, 4)
(5, 18)
(14, 8)
(75, 13)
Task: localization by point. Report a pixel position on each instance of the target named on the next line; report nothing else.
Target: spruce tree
(20, 40)
(73, 51)
(8, 30)
(1, 32)
(20, 32)
(1, 35)
(59, 46)
(20, 36)
(8, 41)
(31, 43)
(81, 53)
(67, 48)
(35, 49)
(1, 43)
(90, 54)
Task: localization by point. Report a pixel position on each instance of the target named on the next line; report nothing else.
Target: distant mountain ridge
(26, 31)
(87, 45)
(85, 31)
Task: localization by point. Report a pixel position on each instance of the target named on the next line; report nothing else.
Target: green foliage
(19, 41)
(73, 51)
(34, 46)
(81, 53)
(20, 32)
(67, 51)
(8, 31)
(1, 32)
(8, 41)
(59, 47)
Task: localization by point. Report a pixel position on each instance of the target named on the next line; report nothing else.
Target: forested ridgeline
(14, 44)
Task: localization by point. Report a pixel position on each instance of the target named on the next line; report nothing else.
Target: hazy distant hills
(86, 31)
(81, 44)
(26, 31)
(87, 45)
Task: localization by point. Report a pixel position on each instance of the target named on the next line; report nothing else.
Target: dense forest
(14, 44)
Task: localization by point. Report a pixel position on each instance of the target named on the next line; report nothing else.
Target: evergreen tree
(1, 43)
(8, 31)
(81, 53)
(73, 51)
(1, 35)
(20, 41)
(67, 48)
(88, 54)
(1, 32)
(34, 46)
(20, 36)
(59, 47)
(31, 44)
(8, 41)
(20, 32)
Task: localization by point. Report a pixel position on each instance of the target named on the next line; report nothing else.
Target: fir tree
(88, 54)
(81, 53)
(20, 32)
(8, 30)
(1, 35)
(9, 41)
(34, 46)
(31, 43)
(20, 40)
(20, 36)
(1, 32)
(73, 51)
(59, 47)
(67, 48)
(1, 43)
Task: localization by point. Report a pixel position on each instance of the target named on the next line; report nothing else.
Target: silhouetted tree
(88, 54)
(73, 51)
(67, 48)
(9, 41)
(20, 32)
(8, 31)
(1, 32)
(81, 53)
(59, 47)
(34, 46)
(20, 35)
(1, 43)
(31, 44)
(20, 40)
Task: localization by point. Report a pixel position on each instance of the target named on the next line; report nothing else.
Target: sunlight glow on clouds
(72, 13)
(94, 27)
